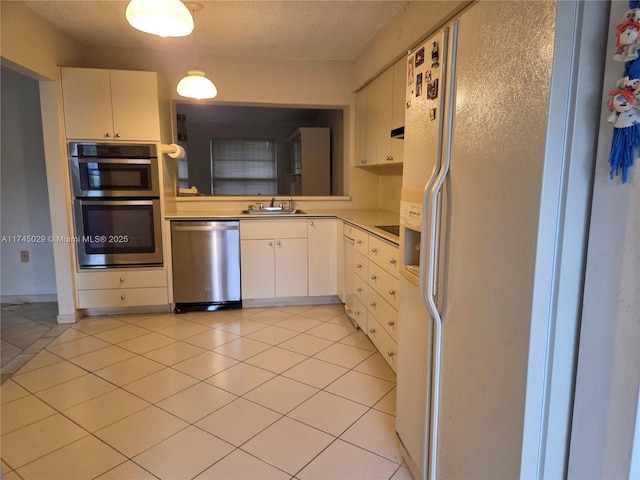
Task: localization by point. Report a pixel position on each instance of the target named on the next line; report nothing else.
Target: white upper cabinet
(379, 109)
(110, 104)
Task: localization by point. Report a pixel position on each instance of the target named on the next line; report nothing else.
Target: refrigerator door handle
(432, 219)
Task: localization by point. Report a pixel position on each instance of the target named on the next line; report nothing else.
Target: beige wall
(411, 25)
(31, 45)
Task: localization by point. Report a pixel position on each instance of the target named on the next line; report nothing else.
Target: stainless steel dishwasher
(206, 265)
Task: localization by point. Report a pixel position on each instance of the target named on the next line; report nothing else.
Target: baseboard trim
(37, 298)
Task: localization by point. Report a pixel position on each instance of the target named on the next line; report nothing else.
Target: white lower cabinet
(122, 288)
(375, 291)
(323, 256)
(273, 258)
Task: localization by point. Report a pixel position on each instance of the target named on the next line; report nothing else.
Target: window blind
(243, 167)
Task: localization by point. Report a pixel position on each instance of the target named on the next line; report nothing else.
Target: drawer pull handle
(122, 297)
(373, 304)
(372, 330)
(374, 250)
(390, 354)
(392, 261)
(373, 277)
(121, 279)
(391, 323)
(392, 292)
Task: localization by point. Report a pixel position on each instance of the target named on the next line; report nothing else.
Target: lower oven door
(117, 233)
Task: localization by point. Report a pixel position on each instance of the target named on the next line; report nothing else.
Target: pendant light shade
(165, 18)
(196, 85)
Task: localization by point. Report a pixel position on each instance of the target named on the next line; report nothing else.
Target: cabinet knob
(357, 313)
(390, 354)
(122, 297)
(278, 242)
(392, 292)
(391, 323)
(311, 223)
(372, 330)
(363, 161)
(374, 250)
(373, 304)
(359, 265)
(358, 242)
(121, 279)
(359, 290)
(392, 261)
(117, 135)
(270, 244)
(373, 277)
(390, 158)
(108, 135)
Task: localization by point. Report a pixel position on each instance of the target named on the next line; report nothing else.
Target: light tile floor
(262, 393)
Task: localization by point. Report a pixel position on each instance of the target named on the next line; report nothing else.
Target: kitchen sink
(273, 211)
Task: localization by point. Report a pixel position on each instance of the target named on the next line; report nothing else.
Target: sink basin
(273, 211)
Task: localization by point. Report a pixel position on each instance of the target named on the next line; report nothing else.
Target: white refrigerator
(499, 149)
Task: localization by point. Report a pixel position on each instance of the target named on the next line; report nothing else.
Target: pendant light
(165, 18)
(195, 84)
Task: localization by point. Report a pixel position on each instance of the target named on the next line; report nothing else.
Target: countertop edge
(366, 219)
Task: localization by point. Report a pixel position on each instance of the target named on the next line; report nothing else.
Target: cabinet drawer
(386, 345)
(361, 266)
(132, 297)
(360, 314)
(385, 313)
(360, 288)
(121, 279)
(384, 283)
(360, 237)
(257, 229)
(384, 254)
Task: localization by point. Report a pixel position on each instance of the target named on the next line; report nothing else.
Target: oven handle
(127, 161)
(82, 201)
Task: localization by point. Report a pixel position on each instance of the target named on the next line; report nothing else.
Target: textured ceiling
(290, 30)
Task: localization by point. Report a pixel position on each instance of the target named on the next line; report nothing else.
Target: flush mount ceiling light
(195, 84)
(165, 18)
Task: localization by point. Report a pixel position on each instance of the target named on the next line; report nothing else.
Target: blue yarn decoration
(625, 144)
(624, 147)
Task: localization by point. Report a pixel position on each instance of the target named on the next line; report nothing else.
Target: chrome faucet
(290, 203)
(273, 199)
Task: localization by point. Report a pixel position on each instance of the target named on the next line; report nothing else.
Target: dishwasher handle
(204, 228)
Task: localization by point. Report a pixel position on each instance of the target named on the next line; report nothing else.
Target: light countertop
(363, 218)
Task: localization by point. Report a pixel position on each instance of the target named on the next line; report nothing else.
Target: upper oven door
(115, 177)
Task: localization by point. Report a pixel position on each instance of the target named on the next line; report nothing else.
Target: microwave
(111, 170)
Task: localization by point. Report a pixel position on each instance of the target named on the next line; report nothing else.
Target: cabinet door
(385, 107)
(258, 268)
(134, 97)
(86, 98)
(371, 148)
(398, 108)
(323, 267)
(291, 267)
(361, 127)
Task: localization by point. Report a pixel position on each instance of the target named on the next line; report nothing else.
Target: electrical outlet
(24, 256)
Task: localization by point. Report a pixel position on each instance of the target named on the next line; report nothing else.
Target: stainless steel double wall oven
(116, 204)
